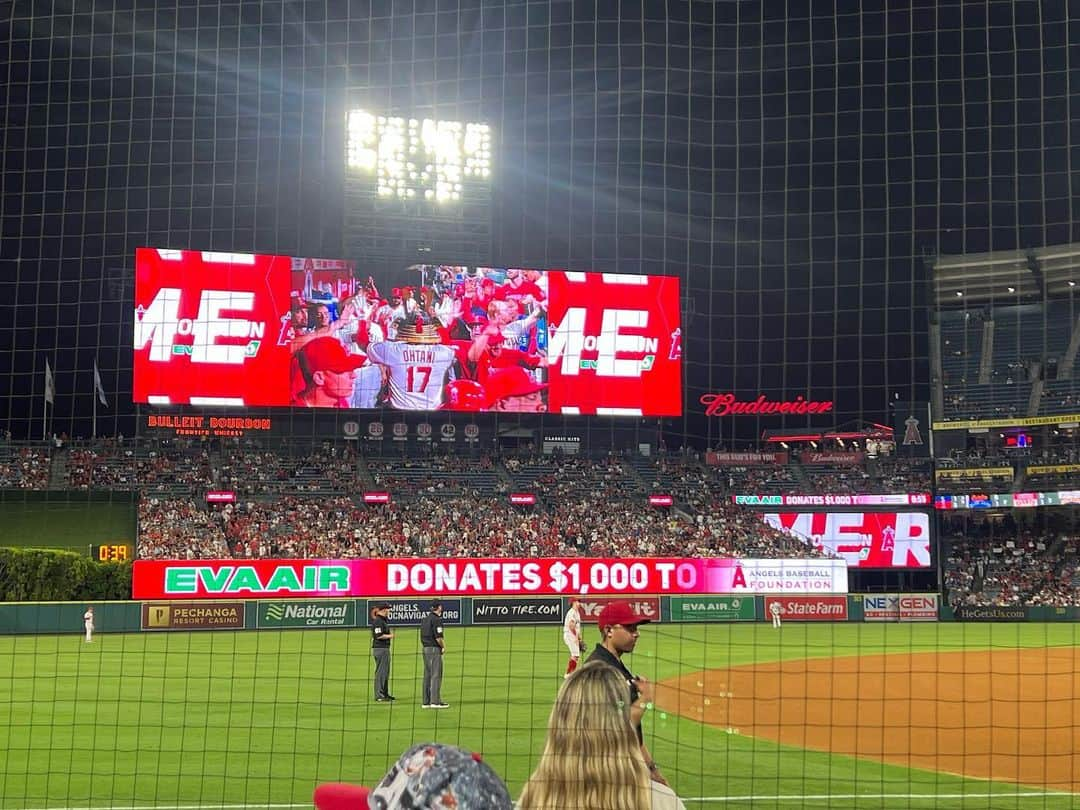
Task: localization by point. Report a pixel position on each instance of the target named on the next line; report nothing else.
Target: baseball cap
(510, 382)
(327, 354)
(428, 775)
(464, 395)
(619, 612)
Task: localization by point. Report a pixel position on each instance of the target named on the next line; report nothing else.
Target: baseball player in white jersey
(419, 366)
(88, 623)
(775, 611)
(571, 633)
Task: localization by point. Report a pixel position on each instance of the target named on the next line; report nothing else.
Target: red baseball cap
(510, 382)
(619, 613)
(327, 354)
(464, 395)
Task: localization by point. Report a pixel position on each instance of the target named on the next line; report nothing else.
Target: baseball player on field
(571, 634)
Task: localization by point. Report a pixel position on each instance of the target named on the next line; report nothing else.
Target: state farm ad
(409, 577)
(809, 608)
(259, 330)
(862, 539)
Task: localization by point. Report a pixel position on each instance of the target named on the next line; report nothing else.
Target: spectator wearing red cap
(618, 623)
(513, 389)
(329, 374)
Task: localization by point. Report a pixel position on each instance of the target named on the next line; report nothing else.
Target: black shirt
(601, 653)
(431, 630)
(380, 628)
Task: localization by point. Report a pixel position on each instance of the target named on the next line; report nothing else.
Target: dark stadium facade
(799, 166)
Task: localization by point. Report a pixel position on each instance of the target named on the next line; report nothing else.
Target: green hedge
(40, 575)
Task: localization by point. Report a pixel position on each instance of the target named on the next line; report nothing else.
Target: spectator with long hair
(592, 759)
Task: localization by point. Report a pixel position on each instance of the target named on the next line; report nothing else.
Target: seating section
(1028, 341)
(25, 466)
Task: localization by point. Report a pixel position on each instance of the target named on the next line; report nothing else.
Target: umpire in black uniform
(431, 639)
(380, 650)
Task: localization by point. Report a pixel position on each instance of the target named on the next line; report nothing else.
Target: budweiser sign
(727, 405)
(834, 457)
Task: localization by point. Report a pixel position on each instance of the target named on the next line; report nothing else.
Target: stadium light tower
(417, 184)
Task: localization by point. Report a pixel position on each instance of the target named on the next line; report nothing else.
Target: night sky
(794, 163)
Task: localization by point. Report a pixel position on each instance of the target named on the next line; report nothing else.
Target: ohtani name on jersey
(617, 354)
(160, 323)
(418, 356)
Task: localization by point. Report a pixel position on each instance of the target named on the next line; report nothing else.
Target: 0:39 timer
(113, 552)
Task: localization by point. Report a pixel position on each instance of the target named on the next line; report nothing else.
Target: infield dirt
(1010, 715)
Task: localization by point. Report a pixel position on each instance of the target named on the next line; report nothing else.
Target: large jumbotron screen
(259, 330)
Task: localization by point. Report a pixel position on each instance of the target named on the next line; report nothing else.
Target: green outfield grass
(245, 720)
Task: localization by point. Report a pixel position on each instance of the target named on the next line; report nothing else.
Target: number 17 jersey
(417, 372)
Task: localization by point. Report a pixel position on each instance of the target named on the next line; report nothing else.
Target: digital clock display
(112, 552)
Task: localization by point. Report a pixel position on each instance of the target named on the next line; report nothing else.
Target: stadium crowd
(435, 526)
(1008, 563)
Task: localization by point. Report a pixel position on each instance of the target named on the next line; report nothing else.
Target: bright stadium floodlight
(417, 158)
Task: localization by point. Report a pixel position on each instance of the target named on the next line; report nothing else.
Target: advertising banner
(921, 607)
(661, 500)
(990, 613)
(377, 497)
(645, 606)
(832, 457)
(202, 425)
(712, 609)
(235, 579)
(220, 496)
(838, 499)
(522, 498)
(809, 608)
(728, 404)
(321, 613)
(518, 611)
(1052, 469)
(716, 458)
(951, 473)
(881, 607)
(409, 613)
(862, 539)
(1013, 422)
(259, 330)
(188, 616)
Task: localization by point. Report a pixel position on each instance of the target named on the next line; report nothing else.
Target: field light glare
(413, 157)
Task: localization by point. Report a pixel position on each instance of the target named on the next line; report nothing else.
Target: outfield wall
(48, 618)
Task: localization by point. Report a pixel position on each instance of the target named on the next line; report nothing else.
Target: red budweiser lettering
(726, 404)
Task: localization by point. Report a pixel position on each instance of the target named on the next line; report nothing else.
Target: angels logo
(676, 345)
(911, 431)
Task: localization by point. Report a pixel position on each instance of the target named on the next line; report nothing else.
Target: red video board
(255, 330)
(862, 539)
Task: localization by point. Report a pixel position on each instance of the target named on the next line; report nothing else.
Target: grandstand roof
(1005, 276)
